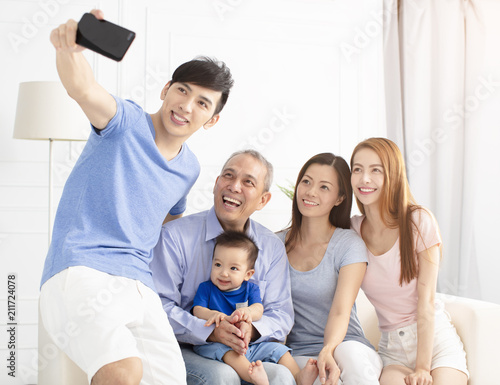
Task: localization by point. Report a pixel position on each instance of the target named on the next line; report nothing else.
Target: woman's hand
(419, 377)
(329, 371)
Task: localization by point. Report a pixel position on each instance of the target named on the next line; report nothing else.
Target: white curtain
(446, 70)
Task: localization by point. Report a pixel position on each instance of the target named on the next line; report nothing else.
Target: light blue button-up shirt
(183, 259)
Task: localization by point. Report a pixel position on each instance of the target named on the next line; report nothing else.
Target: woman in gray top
(327, 264)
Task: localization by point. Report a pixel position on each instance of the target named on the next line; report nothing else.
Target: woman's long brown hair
(397, 203)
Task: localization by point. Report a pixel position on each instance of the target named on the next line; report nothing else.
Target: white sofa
(477, 323)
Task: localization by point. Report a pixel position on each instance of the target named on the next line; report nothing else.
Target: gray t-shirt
(313, 292)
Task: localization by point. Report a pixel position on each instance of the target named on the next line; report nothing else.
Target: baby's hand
(244, 314)
(216, 318)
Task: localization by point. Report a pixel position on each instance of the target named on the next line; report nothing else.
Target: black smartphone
(103, 37)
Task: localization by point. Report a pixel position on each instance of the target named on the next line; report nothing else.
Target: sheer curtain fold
(392, 71)
(446, 74)
(433, 56)
(481, 204)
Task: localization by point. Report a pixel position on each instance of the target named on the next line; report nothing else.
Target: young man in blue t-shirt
(134, 174)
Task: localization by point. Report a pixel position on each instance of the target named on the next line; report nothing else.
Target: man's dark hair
(239, 240)
(206, 72)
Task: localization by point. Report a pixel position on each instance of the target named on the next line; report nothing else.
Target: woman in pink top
(419, 345)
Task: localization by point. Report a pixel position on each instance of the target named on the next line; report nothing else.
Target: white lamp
(46, 112)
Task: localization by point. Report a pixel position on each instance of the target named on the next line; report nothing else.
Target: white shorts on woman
(399, 347)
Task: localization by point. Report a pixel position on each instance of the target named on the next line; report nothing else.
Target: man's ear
(249, 274)
(164, 90)
(215, 184)
(266, 197)
(214, 119)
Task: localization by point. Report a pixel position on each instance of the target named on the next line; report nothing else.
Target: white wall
(300, 89)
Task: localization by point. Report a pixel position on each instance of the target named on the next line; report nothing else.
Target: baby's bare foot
(308, 374)
(257, 373)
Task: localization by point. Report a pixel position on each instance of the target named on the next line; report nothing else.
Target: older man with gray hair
(183, 257)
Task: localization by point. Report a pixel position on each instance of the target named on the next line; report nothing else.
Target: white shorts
(399, 347)
(105, 318)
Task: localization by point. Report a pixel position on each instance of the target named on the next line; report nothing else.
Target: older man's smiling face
(239, 191)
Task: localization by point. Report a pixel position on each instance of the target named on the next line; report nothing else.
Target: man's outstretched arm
(77, 77)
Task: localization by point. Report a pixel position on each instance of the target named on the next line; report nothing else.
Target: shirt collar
(214, 228)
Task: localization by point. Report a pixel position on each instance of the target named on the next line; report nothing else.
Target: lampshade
(45, 111)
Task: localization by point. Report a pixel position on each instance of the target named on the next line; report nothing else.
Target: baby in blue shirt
(229, 292)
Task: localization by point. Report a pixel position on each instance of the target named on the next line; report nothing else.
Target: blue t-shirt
(116, 198)
(211, 297)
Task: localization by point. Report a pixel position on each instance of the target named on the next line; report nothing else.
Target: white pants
(358, 364)
(97, 319)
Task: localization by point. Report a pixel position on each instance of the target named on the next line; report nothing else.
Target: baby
(229, 292)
